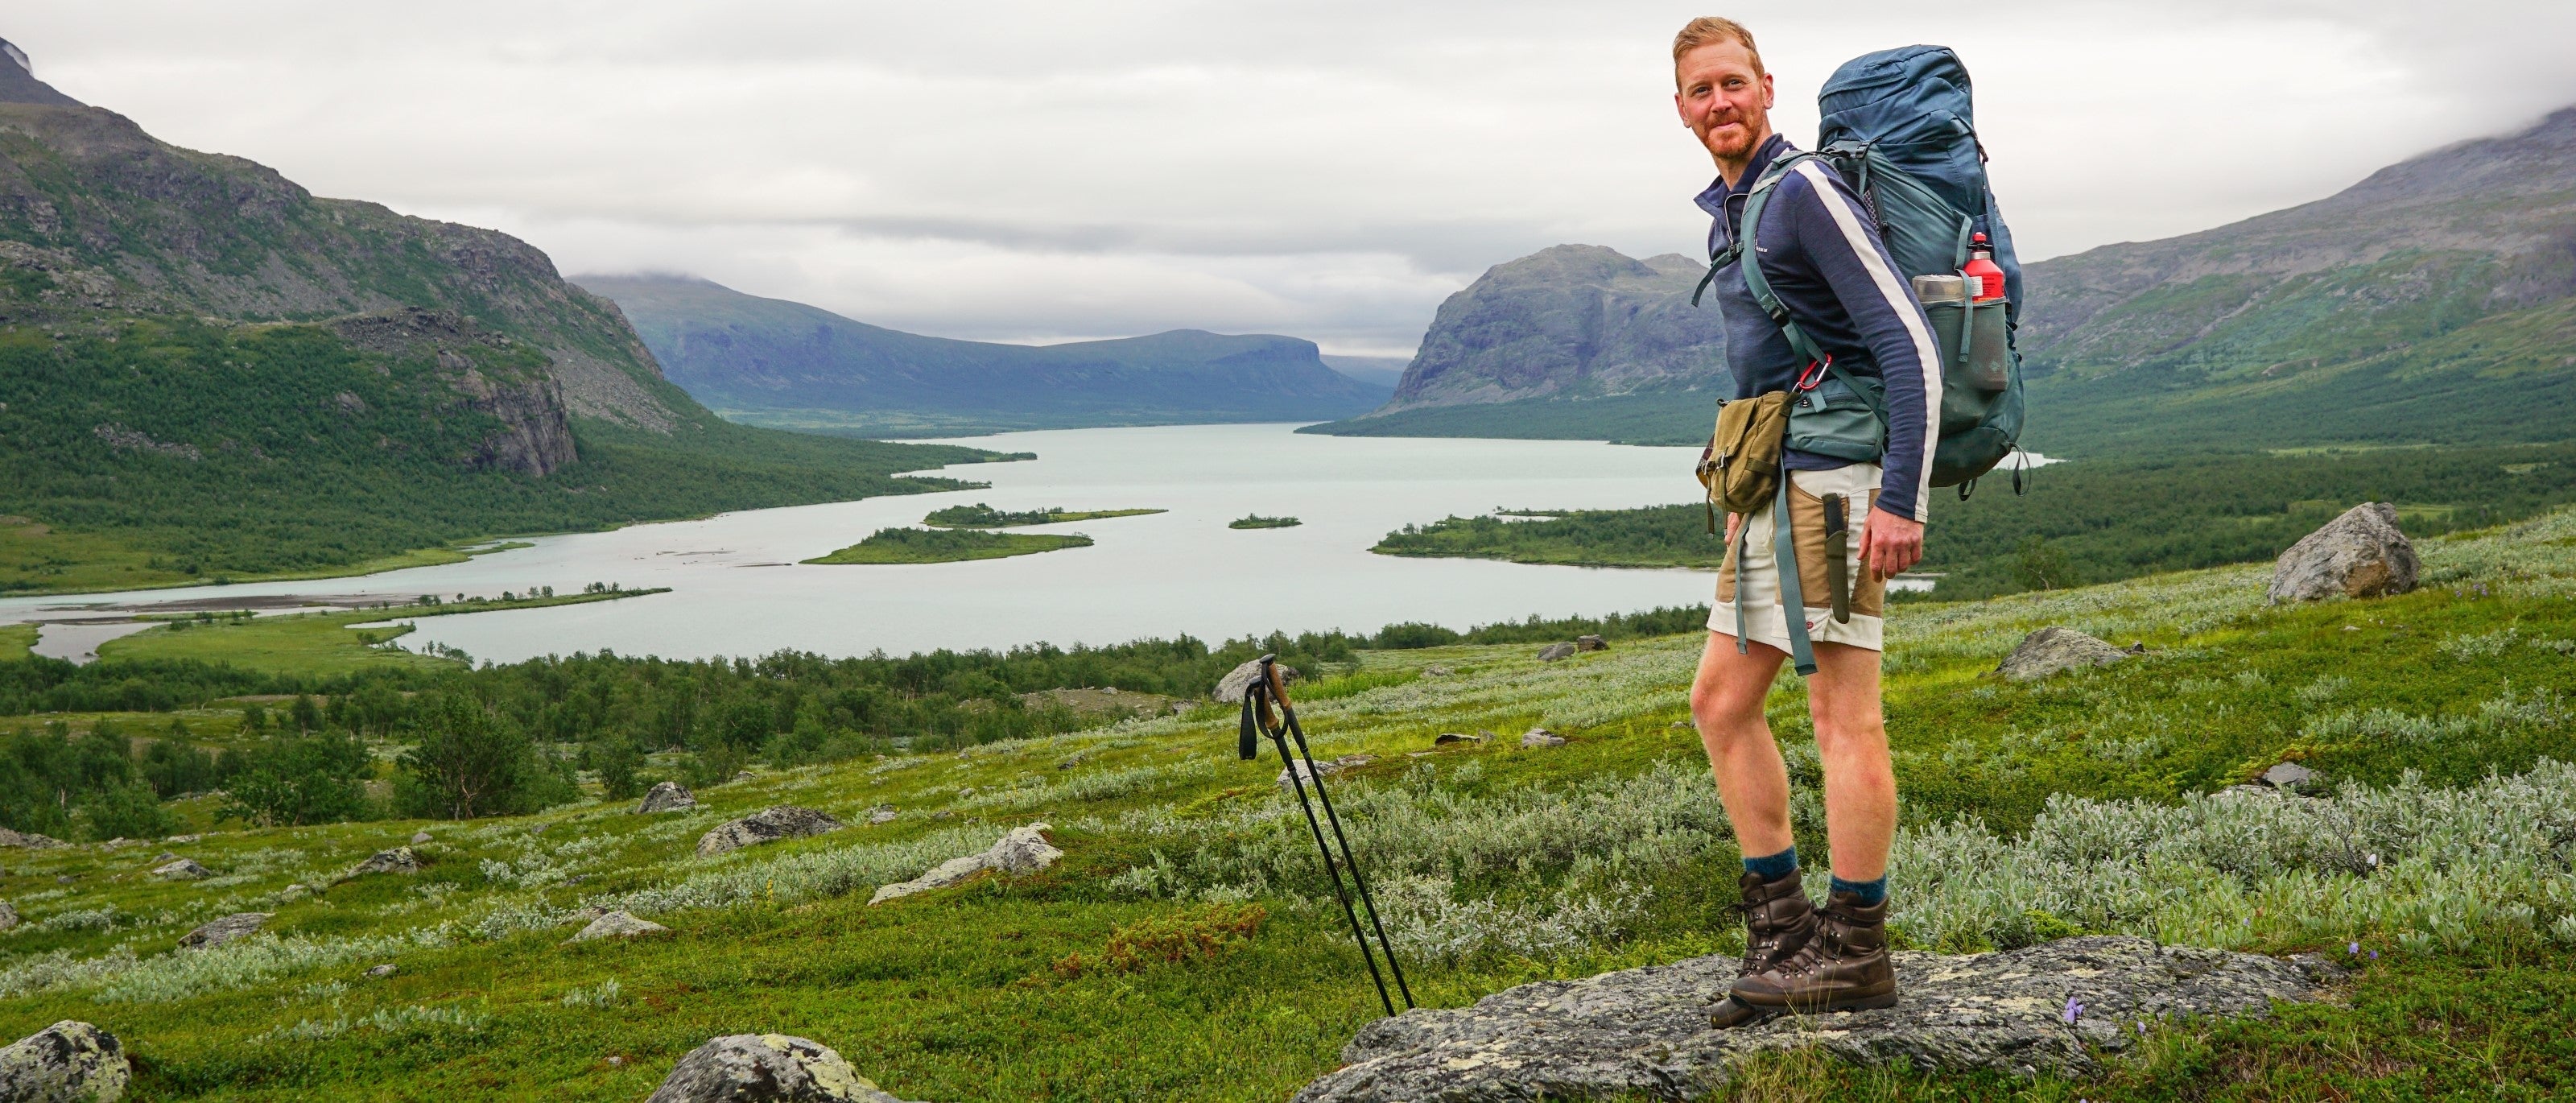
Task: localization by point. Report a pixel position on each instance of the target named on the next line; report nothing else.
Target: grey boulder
(1023, 850)
(2289, 775)
(1555, 651)
(883, 813)
(1645, 1032)
(1540, 737)
(68, 1062)
(2054, 649)
(667, 796)
(1229, 689)
(8, 916)
(419, 837)
(760, 1068)
(787, 821)
(220, 931)
(617, 925)
(1591, 643)
(184, 869)
(2360, 554)
(398, 860)
(28, 839)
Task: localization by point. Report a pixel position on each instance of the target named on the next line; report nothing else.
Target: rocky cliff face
(481, 368)
(1571, 320)
(101, 215)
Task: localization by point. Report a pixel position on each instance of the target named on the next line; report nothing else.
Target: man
(1820, 250)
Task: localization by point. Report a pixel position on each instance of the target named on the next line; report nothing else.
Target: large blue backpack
(1900, 127)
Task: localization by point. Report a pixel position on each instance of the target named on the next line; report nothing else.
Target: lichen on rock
(1645, 1032)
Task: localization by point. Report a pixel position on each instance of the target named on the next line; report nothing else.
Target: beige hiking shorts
(1763, 622)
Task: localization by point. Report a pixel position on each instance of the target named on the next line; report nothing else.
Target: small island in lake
(1257, 521)
(981, 516)
(949, 546)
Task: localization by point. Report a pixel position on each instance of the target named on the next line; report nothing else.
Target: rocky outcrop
(490, 373)
(1555, 652)
(766, 1068)
(68, 1062)
(1229, 689)
(618, 925)
(768, 825)
(398, 860)
(1591, 643)
(1569, 320)
(182, 870)
(1645, 1032)
(2054, 649)
(29, 840)
(235, 926)
(1024, 850)
(2360, 554)
(667, 796)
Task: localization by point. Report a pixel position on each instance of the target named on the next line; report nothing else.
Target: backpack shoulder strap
(1750, 241)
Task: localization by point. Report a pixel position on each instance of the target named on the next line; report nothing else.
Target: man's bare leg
(1726, 703)
(1860, 781)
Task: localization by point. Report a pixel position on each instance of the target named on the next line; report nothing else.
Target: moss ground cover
(2079, 804)
(949, 546)
(16, 640)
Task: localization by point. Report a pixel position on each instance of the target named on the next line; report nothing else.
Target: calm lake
(737, 588)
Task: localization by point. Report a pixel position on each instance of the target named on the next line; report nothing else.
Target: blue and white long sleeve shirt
(1820, 249)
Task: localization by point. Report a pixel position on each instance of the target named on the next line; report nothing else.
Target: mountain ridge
(779, 362)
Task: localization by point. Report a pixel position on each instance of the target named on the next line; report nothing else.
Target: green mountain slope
(2434, 302)
(774, 362)
(210, 372)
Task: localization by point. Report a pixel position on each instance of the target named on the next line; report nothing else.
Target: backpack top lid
(1913, 105)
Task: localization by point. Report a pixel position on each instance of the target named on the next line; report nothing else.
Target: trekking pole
(1288, 719)
(1257, 718)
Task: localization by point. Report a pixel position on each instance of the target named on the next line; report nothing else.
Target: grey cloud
(1331, 170)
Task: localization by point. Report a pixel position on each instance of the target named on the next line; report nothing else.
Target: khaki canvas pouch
(1741, 465)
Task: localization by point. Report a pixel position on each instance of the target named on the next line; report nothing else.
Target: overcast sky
(1328, 170)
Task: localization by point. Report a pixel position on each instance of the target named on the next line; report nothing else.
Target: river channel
(737, 588)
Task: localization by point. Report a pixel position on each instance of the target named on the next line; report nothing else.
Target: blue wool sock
(1773, 867)
(1869, 892)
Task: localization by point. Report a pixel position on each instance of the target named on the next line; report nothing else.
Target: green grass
(318, 643)
(956, 994)
(981, 516)
(17, 640)
(949, 546)
(1257, 521)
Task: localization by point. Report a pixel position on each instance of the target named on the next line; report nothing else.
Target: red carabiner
(1813, 375)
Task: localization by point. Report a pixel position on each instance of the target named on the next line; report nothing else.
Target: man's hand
(1889, 544)
(1733, 521)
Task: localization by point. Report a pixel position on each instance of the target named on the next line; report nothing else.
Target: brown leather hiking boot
(1779, 921)
(1845, 967)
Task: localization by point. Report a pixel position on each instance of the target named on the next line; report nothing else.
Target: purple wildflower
(2374, 955)
(2074, 1010)
(2352, 948)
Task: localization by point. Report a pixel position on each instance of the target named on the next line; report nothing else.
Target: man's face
(1723, 100)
